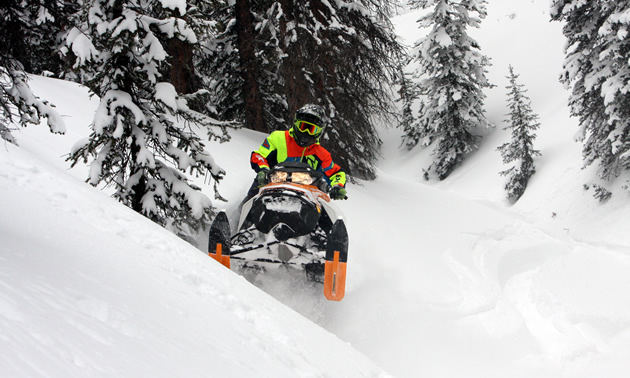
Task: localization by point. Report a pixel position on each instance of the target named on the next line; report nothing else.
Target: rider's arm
(333, 171)
(258, 162)
(259, 159)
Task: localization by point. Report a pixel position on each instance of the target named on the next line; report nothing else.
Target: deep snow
(445, 279)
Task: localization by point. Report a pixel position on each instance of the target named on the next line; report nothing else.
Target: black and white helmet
(309, 124)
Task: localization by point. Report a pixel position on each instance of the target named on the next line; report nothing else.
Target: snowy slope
(444, 279)
(89, 288)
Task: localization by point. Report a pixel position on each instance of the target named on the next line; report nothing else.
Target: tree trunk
(245, 40)
(139, 189)
(182, 71)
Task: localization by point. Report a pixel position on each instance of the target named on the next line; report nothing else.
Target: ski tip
(219, 256)
(219, 233)
(335, 279)
(221, 215)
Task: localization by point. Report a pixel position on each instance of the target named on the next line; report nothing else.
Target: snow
(175, 4)
(166, 93)
(445, 279)
(91, 289)
(81, 46)
(442, 38)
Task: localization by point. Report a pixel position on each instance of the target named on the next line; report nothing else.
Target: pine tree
(203, 17)
(35, 29)
(234, 64)
(453, 77)
(596, 67)
(408, 94)
(144, 134)
(349, 60)
(18, 104)
(520, 150)
(341, 55)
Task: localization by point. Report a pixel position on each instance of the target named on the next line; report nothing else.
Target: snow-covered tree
(234, 67)
(597, 67)
(408, 94)
(18, 104)
(144, 134)
(187, 61)
(453, 75)
(342, 55)
(35, 30)
(520, 151)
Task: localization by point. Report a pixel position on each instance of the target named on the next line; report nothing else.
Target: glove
(338, 192)
(261, 177)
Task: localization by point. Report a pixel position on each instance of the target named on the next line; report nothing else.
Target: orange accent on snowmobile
(225, 260)
(335, 279)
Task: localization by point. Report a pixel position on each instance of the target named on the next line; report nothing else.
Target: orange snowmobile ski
(336, 259)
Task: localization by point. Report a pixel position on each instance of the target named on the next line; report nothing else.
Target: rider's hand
(338, 192)
(261, 177)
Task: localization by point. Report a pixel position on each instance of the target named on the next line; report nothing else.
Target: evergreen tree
(144, 134)
(340, 55)
(45, 39)
(520, 150)
(408, 94)
(188, 69)
(234, 64)
(596, 67)
(33, 30)
(453, 77)
(20, 22)
(344, 56)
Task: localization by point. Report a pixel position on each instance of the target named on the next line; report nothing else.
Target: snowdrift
(89, 288)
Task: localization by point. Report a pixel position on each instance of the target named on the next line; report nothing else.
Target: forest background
(164, 70)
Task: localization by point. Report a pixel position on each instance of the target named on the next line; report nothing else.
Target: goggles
(307, 127)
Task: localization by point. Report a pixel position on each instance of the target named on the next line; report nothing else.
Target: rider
(299, 144)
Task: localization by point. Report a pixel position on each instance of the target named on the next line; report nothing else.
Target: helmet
(309, 124)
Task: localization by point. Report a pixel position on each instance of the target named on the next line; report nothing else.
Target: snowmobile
(291, 223)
